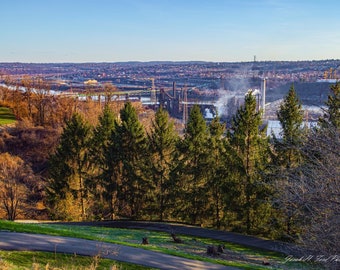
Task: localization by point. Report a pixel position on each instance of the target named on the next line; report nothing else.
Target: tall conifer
(162, 147)
(103, 183)
(194, 175)
(217, 170)
(131, 143)
(332, 113)
(251, 148)
(288, 155)
(290, 116)
(69, 166)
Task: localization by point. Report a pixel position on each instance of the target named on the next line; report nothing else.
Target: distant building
(91, 82)
(274, 127)
(327, 81)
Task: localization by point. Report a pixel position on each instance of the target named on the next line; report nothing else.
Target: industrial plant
(218, 88)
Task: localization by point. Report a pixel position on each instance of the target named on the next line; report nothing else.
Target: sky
(45, 31)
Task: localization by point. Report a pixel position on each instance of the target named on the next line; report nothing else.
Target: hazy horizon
(167, 61)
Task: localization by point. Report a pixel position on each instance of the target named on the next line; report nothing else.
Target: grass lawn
(6, 116)
(45, 260)
(192, 248)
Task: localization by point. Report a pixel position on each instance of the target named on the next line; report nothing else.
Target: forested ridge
(80, 160)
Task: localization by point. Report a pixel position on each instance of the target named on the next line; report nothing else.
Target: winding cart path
(38, 242)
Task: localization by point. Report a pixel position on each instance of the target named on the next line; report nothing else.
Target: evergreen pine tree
(332, 113)
(103, 184)
(290, 116)
(251, 148)
(162, 147)
(217, 170)
(131, 143)
(288, 154)
(69, 167)
(194, 201)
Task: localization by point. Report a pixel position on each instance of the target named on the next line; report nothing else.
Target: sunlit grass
(6, 116)
(46, 260)
(192, 248)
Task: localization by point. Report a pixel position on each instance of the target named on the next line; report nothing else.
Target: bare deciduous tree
(12, 190)
(320, 191)
(109, 92)
(41, 99)
(313, 190)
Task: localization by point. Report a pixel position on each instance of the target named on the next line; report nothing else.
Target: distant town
(219, 87)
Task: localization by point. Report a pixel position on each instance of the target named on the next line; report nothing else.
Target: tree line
(233, 178)
(236, 178)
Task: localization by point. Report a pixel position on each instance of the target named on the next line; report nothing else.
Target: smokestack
(153, 91)
(174, 90)
(263, 93)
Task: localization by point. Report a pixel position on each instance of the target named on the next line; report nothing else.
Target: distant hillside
(309, 93)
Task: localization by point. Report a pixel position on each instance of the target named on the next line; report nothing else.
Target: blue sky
(175, 30)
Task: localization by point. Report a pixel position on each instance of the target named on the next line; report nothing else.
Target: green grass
(192, 248)
(45, 260)
(6, 116)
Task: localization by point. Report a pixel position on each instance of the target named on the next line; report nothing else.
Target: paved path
(37, 242)
(246, 240)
